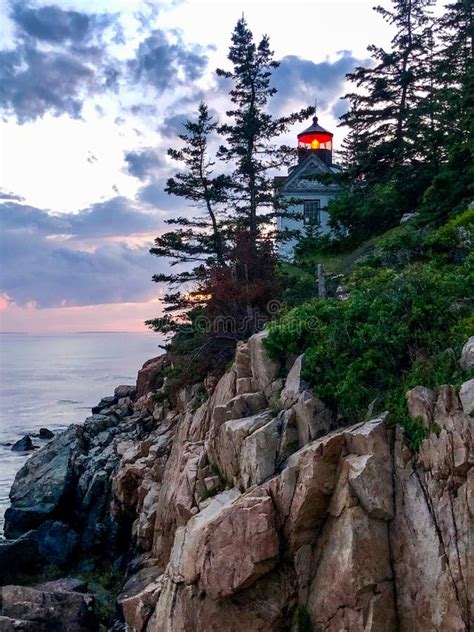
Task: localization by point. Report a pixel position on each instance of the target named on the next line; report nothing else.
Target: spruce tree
(382, 142)
(196, 243)
(453, 186)
(251, 130)
(238, 205)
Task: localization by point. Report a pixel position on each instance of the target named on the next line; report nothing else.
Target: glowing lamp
(316, 139)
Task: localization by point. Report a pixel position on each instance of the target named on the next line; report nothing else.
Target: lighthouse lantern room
(316, 139)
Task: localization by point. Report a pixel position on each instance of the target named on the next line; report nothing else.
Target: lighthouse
(309, 196)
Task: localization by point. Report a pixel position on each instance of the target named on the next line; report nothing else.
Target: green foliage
(362, 212)
(455, 240)
(275, 407)
(415, 432)
(389, 335)
(201, 396)
(453, 186)
(302, 620)
(105, 584)
(410, 124)
(209, 493)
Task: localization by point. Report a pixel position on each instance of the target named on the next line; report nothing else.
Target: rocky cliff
(253, 510)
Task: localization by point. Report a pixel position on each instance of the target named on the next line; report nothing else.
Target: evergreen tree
(197, 242)
(251, 131)
(383, 118)
(453, 186)
(228, 250)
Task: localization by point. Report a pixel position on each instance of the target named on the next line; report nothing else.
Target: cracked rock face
(246, 519)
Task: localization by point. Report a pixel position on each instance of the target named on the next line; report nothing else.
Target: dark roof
(315, 127)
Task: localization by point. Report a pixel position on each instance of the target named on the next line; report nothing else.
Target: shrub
(373, 345)
(454, 241)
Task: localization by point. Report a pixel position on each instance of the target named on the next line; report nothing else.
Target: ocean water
(52, 381)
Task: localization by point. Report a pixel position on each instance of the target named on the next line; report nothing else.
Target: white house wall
(287, 223)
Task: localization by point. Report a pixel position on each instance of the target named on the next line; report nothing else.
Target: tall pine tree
(227, 250)
(250, 132)
(197, 243)
(382, 142)
(453, 186)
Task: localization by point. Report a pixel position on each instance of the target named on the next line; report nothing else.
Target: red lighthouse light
(316, 139)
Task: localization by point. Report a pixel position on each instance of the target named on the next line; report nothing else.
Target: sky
(92, 94)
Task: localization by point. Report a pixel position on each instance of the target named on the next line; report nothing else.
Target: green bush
(455, 240)
(359, 213)
(375, 344)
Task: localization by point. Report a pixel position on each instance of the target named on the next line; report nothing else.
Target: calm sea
(52, 381)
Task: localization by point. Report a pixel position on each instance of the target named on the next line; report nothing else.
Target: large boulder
(149, 377)
(228, 546)
(57, 542)
(421, 402)
(49, 610)
(259, 454)
(139, 596)
(466, 395)
(46, 434)
(104, 403)
(228, 445)
(352, 587)
(18, 557)
(241, 545)
(264, 369)
(467, 355)
(25, 444)
(125, 390)
(43, 486)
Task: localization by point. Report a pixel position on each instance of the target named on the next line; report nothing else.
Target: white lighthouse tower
(301, 185)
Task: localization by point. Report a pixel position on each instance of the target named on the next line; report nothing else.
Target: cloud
(54, 25)
(33, 83)
(174, 124)
(154, 195)
(141, 163)
(38, 270)
(39, 265)
(4, 195)
(164, 61)
(306, 80)
(339, 108)
(59, 58)
(117, 217)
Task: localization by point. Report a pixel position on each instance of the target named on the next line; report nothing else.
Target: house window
(312, 210)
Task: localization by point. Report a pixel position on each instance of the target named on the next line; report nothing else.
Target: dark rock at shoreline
(42, 486)
(46, 433)
(25, 444)
(62, 494)
(57, 542)
(125, 390)
(105, 402)
(18, 557)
